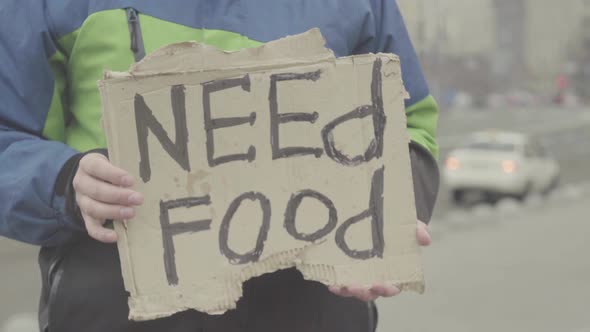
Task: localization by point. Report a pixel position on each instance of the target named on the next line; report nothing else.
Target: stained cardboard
(253, 161)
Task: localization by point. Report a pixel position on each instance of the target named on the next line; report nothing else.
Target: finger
(105, 192)
(102, 211)
(97, 231)
(98, 166)
(334, 289)
(385, 290)
(422, 234)
(340, 291)
(361, 293)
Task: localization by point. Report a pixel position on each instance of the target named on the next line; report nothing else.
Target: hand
(381, 290)
(103, 192)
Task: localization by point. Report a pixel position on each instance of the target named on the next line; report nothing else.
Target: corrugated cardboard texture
(259, 160)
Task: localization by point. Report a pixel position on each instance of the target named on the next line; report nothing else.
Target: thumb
(422, 234)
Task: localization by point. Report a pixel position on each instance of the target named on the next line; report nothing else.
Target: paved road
(19, 275)
(504, 272)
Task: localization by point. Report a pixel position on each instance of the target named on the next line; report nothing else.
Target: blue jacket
(52, 52)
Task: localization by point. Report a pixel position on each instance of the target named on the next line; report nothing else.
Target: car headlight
(452, 163)
(509, 166)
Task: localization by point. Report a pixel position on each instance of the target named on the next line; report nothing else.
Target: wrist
(64, 186)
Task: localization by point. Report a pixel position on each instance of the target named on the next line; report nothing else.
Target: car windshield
(491, 146)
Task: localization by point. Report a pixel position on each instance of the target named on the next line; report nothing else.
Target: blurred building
(484, 46)
(555, 35)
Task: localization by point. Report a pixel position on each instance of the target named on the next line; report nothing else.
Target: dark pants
(83, 291)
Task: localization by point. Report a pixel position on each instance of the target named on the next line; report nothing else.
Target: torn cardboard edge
(308, 47)
(155, 304)
(188, 57)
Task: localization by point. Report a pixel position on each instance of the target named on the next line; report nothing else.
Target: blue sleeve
(384, 31)
(29, 164)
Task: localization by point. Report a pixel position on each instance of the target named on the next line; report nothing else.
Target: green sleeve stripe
(55, 123)
(422, 123)
(54, 128)
(66, 42)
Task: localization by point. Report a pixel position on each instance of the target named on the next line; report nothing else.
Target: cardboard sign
(253, 161)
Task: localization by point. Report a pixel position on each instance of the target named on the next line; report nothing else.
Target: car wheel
(458, 197)
(492, 198)
(526, 192)
(552, 186)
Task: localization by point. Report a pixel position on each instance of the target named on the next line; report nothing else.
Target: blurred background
(511, 249)
(503, 53)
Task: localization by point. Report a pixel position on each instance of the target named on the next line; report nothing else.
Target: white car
(498, 164)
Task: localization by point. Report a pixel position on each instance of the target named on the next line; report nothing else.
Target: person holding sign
(58, 189)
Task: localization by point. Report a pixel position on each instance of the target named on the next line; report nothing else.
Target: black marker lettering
(375, 149)
(254, 254)
(171, 230)
(375, 212)
(212, 124)
(277, 118)
(291, 213)
(144, 119)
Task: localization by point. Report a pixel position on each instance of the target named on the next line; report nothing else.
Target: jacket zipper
(135, 34)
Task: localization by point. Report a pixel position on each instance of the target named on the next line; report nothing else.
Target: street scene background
(514, 65)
